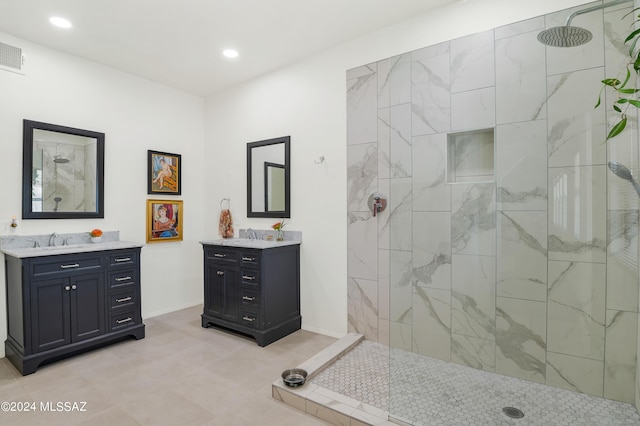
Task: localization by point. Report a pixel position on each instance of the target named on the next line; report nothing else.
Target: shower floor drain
(512, 412)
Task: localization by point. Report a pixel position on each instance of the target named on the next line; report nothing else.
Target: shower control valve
(377, 203)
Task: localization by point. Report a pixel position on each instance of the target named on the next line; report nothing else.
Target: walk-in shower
(525, 265)
(570, 36)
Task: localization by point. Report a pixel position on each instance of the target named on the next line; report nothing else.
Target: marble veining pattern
(521, 166)
(622, 260)
(431, 100)
(576, 311)
(571, 100)
(473, 296)
(620, 355)
(362, 166)
(361, 106)
(400, 140)
(521, 339)
(475, 109)
(432, 322)
(472, 62)
(473, 219)
(573, 236)
(522, 255)
(430, 190)
(362, 307)
(520, 68)
(432, 250)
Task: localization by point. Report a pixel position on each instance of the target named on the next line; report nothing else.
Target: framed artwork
(164, 221)
(164, 173)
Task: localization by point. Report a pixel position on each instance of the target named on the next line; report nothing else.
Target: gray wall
(533, 274)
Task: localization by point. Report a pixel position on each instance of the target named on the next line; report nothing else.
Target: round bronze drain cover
(512, 412)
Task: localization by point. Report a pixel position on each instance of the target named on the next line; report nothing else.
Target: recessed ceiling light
(60, 22)
(230, 53)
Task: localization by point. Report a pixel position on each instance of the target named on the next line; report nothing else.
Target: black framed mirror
(62, 172)
(268, 178)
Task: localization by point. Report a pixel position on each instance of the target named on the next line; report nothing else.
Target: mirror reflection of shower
(63, 172)
(623, 172)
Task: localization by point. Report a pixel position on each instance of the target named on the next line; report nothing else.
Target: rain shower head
(565, 36)
(59, 159)
(569, 36)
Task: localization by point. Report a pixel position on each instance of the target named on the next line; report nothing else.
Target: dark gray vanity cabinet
(66, 310)
(62, 304)
(252, 291)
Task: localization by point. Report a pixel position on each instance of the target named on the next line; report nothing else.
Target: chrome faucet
(252, 234)
(52, 239)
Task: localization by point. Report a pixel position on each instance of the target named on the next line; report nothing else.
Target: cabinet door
(87, 306)
(221, 291)
(50, 316)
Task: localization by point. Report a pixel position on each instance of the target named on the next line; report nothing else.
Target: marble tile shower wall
(534, 275)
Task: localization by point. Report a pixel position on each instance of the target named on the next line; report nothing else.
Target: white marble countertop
(68, 249)
(249, 243)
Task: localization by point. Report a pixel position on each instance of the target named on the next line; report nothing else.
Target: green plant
(624, 92)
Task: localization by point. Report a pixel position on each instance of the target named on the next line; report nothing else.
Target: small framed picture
(164, 221)
(164, 173)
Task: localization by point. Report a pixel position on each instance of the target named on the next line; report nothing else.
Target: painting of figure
(163, 173)
(164, 220)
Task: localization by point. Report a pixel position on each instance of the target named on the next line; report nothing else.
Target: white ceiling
(179, 42)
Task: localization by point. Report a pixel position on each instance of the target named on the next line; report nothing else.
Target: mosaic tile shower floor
(428, 391)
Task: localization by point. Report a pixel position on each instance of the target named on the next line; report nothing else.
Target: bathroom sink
(249, 243)
(21, 252)
(62, 248)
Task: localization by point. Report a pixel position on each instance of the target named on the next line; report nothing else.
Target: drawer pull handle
(122, 321)
(248, 259)
(67, 288)
(71, 265)
(73, 287)
(220, 273)
(127, 278)
(219, 255)
(248, 277)
(246, 318)
(124, 299)
(123, 259)
(251, 299)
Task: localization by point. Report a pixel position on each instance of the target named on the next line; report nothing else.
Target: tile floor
(179, 374)
(428, 391)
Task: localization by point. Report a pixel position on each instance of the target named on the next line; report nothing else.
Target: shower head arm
(593, 9)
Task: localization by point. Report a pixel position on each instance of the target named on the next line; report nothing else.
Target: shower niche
(470, 156)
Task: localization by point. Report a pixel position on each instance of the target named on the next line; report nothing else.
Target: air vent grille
(11, 58)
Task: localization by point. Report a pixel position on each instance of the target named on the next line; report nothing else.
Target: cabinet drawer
(125, 258)
(123, 299)
(249, 319)
(249, 298)
(250, 259)
(250, 276)
(66, 264)
(124, 319)
(222, 254)
(123, 278)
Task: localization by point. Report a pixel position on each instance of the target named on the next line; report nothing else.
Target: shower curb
(326, 404)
